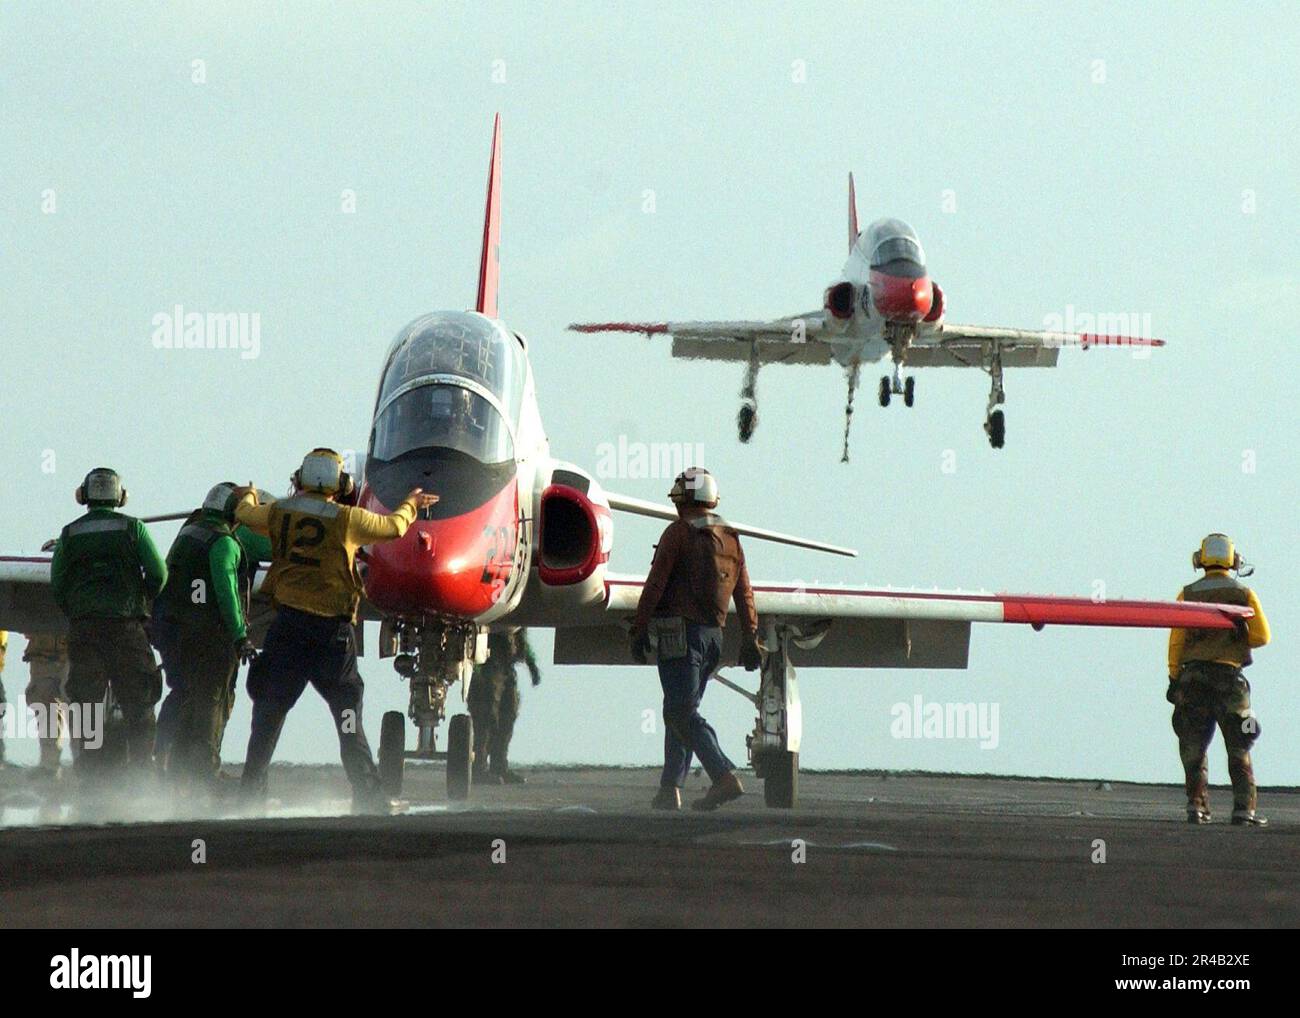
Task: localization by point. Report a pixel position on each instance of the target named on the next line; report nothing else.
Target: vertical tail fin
(489, 266)
(853, 215)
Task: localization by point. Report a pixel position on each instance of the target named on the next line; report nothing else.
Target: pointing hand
(422, 501)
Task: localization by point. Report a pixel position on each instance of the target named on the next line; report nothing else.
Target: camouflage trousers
(494, 706)
(46, 693)
(1207, 695)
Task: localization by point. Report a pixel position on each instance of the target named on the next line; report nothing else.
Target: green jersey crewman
(104, 574)
(205, 603)
(164, 633)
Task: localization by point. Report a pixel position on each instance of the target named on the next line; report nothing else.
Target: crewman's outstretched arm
(365, 527)
(256, 518)
(257, 547)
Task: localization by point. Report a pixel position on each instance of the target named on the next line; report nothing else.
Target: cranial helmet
(102, 486)
(322, 471)
(695, 486)
(1216, 552)
(221, 499)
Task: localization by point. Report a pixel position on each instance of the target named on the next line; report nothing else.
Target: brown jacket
(698, 568)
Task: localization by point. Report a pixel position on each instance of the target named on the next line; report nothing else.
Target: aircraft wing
(856, 627)
(641, 507)
(794, 340)
(974, 346)
(27, 602)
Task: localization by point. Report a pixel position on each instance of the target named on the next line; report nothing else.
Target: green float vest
(188, 564)
(102, 565)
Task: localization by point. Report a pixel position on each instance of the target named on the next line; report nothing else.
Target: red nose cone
(453, 567)
(900, 299)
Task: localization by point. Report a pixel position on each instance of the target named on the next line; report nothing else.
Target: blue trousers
(302, 648)
(686, 733)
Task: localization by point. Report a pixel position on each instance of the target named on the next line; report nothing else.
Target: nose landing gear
(433, 658)
(897, 386)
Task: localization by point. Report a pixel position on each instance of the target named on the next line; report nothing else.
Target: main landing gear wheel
(781, 780)
(885, 390)
(460, 756)
(909, 391)
(997, 429)
(747, 420)
(392, 752)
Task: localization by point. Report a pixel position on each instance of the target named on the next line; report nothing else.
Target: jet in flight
(883, 305)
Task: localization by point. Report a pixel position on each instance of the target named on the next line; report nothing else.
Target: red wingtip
(489, 266)
(853, 214)
(649, 328)
(1089, 339)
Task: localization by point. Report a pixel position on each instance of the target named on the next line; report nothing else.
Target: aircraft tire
(781, 780)
(460, 757)
(997, 429)
(392, 752)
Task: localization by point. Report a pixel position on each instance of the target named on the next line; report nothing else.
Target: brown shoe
(725, 789)
(668, 797)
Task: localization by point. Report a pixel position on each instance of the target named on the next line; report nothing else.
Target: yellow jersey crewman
(316, 590)
(1206, 685)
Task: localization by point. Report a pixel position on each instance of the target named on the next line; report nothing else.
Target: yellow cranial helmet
(322, 471)
(1216, 552)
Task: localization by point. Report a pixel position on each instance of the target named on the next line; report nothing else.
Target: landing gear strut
(774, 743)
(747, 418)
(899, 339)
(995, 422)
(854, 370)
(433, 657)
(897, 386)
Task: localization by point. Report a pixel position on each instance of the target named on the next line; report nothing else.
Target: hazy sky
(690, 161)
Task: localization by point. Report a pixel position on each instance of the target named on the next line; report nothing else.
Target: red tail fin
(489, 266)
(853, 215)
